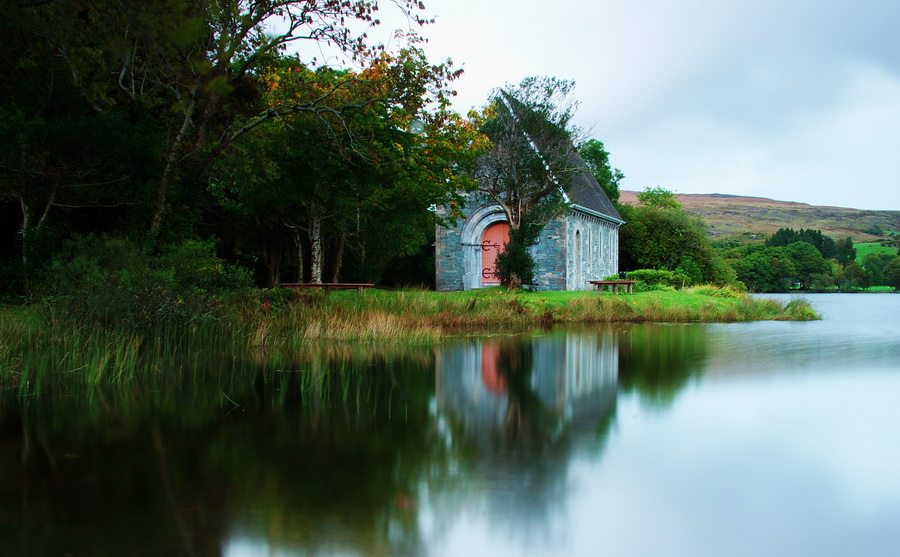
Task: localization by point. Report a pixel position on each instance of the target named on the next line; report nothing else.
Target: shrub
(12, 282)
(515, 265)
(874, 230)
(111, 281)
(654, 277)
(193, 264)
(717, 291)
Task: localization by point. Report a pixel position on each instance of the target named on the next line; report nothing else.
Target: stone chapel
(572, 250)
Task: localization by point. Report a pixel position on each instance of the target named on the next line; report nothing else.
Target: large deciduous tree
(530, 166)
(875, 264)
(596, 157)
(844, 252)
(191, 63)
(659, 234)
(892, 273)
(349, 179)
(658, 197)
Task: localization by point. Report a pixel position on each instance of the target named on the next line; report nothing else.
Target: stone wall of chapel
(592, 250)
(549, 257)
(448, 256)
(570, 251)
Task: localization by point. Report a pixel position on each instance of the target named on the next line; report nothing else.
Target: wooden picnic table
(627, 285)
(329, 286)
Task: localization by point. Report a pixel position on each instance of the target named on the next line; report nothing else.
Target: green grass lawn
(496, 306)
(554, 300)
(862, 250)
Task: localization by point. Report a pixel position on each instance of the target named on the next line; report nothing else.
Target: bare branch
(316, 106)
(76, 80)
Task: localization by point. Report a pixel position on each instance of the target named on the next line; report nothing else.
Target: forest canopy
(160, 122)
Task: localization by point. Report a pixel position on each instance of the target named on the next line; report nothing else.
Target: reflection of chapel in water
(528, 391)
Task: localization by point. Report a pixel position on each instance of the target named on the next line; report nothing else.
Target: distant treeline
(809, 260)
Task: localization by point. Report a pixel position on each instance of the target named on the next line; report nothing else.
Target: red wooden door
(492, 241)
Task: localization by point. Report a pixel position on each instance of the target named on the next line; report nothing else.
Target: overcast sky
(796, 100)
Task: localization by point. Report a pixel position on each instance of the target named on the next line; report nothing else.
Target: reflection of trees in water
(323, 457)
(657, 361)
(326, 455)
(515, 443)
(528, 423)
(340, 475)
(94, 476)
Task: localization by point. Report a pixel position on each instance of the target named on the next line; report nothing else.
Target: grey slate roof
(584, 190)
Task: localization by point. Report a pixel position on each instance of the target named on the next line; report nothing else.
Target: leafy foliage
(875, 265)
(777, 266)
(596, 157)
(844, 252)
(824, 244)
(515, 265)
(361, 185)
(654, 277)
(173, 120)
(109, 280)
(658, 197)
(779, 269)
(892, 273)
(665, 237)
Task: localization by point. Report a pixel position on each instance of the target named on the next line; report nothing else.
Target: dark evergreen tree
(845, 253)
(892, 273)
(787, 236)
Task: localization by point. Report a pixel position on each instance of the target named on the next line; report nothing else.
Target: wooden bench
(627, 285)
(329, 286)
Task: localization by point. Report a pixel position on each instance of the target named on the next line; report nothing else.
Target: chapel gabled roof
(584, 191)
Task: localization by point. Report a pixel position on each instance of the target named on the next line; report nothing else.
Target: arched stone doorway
(472, 239)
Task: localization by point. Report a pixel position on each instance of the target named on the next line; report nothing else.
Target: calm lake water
(754, 439)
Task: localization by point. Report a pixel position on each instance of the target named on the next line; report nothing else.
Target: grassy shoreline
(36, 343)
(495, 307)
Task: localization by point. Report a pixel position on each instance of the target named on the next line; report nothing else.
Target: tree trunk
(315, 243)
(50, 201)
(26, 226)
(169, 170)
(26, 244)
(272, 250)
(339, 257)
(298, 245)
